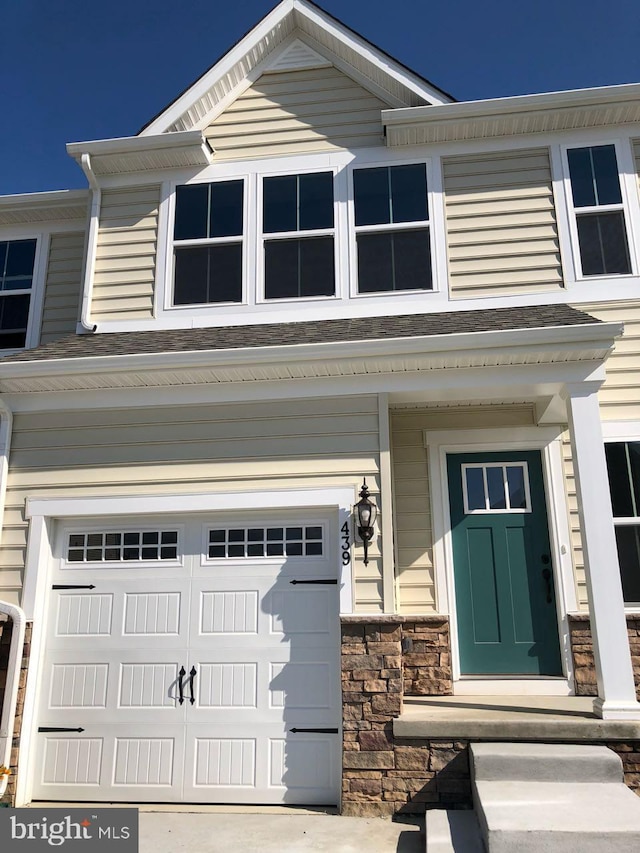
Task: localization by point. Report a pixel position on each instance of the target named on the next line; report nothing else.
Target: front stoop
(448, 831)
(553, 798)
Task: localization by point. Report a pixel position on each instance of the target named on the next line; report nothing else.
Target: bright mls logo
(79, 830)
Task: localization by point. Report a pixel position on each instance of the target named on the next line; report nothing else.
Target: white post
(616, 689)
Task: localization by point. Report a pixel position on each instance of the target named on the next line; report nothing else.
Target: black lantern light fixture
(367, 512)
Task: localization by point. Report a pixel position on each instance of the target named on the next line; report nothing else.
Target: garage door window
(229, 542)
(121, 546)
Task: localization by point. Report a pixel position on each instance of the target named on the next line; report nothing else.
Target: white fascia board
(370, 53)
(602, 95)
(562, 338)
(167, 118)
(54, 198)
(134, 144)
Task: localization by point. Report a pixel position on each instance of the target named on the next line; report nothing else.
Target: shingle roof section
(310, 332)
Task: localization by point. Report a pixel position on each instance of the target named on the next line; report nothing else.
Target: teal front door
(505, 598)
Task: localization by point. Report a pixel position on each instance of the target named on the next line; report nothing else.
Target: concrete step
(544, 762)
(452, 831)
(551, 817)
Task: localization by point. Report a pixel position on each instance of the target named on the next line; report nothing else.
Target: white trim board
(549, 441)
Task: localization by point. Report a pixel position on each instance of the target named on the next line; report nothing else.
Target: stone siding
(381, 776)
(582, 652)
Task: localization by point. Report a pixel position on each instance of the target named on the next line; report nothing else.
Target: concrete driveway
(269, 832)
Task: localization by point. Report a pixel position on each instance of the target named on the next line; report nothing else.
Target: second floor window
(599, 211)
(392, 228)
(17, 259)
(208, 237)
(298, 233)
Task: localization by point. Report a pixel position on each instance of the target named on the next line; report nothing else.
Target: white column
(616, 690)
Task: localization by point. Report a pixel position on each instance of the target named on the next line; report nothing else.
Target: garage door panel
(260, 656)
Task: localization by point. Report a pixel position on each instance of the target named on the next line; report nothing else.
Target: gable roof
(293, 22)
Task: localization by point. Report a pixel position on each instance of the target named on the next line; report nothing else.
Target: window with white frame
(623, 465)
(599, 211)
(208, 243)
(392, 228)
(298, 235)
(17, 261)
(496, 487)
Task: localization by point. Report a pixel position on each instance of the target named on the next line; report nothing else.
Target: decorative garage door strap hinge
(326, 581)
(316, 731)
(73, 586)
(57, 729)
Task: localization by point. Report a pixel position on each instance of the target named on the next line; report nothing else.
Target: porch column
(616, 689)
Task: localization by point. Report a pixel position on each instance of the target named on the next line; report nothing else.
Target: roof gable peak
(308, 35)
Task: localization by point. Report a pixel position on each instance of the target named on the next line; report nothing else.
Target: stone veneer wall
(382, 776)
(5, 639)
(582, 651)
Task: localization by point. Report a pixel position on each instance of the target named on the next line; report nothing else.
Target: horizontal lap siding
(299, 444)
(502, 236)
(415, 573)
(63, 285)
(125, 269)
(295, 112)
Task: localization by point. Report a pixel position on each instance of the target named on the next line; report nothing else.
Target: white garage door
(195, 661)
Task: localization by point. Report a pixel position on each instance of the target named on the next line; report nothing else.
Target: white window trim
(573, 212)
(168, 222)
(354, 230)
(97, 527)
(262, 237)
(206, 560)
(548, 440)
(621, 433)
(36, 291)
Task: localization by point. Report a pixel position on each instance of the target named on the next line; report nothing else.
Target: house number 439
(345, 544)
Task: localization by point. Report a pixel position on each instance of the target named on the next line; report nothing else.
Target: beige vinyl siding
(620, 395)
(502, 236)
(191, 449)
(125, 269)
(619, 400)
(295, 112)
(415, 574)
(63, 286)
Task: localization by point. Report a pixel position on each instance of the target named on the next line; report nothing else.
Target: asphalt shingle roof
(309, 332)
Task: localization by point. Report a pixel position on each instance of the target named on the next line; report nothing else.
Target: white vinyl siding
(295, 112)
(63, 285)
(502, 236)
(574, 524)
(190, 449)
(415, 575)
(125, 267)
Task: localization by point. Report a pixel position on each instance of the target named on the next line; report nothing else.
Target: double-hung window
(392, 228)
(298, 235)
(599, 212)
(17, 260)
(208, 241)
(623, 465)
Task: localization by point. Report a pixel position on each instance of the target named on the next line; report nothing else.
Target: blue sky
(78, 70)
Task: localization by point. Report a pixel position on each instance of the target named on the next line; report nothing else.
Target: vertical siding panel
(502, 236)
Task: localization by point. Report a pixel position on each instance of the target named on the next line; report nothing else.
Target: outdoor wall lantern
(367, 512)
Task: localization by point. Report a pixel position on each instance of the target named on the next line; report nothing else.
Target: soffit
(63, 206)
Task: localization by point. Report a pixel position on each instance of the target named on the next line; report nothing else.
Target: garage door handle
(325, 581)
(192, 675)
(181, 675)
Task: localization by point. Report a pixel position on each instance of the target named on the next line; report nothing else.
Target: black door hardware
(326, 581)
(72, 586)
(181, 675)
(192, 675)
(57, 729)
(316, 731)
